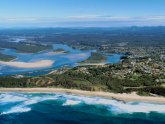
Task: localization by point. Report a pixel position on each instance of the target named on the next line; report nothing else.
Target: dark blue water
(70, 59)
(28, 108)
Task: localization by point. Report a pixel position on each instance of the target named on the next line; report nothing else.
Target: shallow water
(50, 108)
(71, 59)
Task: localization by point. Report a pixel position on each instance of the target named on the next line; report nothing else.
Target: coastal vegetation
(92, 78)
(4, 57)
(95, 58)
(25, 47)
(142, 68)
(60, 50)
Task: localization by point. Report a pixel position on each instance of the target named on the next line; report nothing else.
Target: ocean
(61, 108)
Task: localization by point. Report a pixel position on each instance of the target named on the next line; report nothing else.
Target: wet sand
(122, 97)
(38, 64)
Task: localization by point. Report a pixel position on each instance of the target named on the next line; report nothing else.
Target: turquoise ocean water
(51, 108)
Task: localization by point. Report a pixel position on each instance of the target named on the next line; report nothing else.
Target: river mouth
(70, 59)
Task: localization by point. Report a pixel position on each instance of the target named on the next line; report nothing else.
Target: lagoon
(70, 59)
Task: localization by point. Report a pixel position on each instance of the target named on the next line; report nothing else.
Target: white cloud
(83, 18)
(89, 20)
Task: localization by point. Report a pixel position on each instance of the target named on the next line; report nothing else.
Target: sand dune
(38, 64)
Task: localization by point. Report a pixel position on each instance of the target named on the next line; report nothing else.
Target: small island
(59, 51)
(25, 47)
(6, 58)
(95, 58)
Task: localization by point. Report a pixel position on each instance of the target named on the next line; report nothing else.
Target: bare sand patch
(38, 64)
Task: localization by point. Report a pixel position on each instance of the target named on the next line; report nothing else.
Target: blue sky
(81, 13)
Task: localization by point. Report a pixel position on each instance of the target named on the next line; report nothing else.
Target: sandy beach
(38, 64)
(123, 97)
(53, 53)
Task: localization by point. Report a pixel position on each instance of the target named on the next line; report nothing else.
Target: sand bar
(38, 64)
(123, 97)
(53, 53)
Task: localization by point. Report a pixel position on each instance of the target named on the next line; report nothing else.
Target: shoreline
(117, 96)
(38, 64)
(97, 64)
(55, 53)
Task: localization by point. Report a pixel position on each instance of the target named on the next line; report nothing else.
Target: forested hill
(109, 78)
(141, 36)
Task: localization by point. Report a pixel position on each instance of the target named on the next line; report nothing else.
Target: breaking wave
(117, 106)
(17, 109)
(71, 102)
(8, 98)
(25, 100)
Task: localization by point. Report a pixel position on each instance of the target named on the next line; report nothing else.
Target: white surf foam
(141, 107)
(26, 101)
(119, 106)
(112, 105)
(35, 100)
(17, 109)
(7, 98)
(71, 102)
